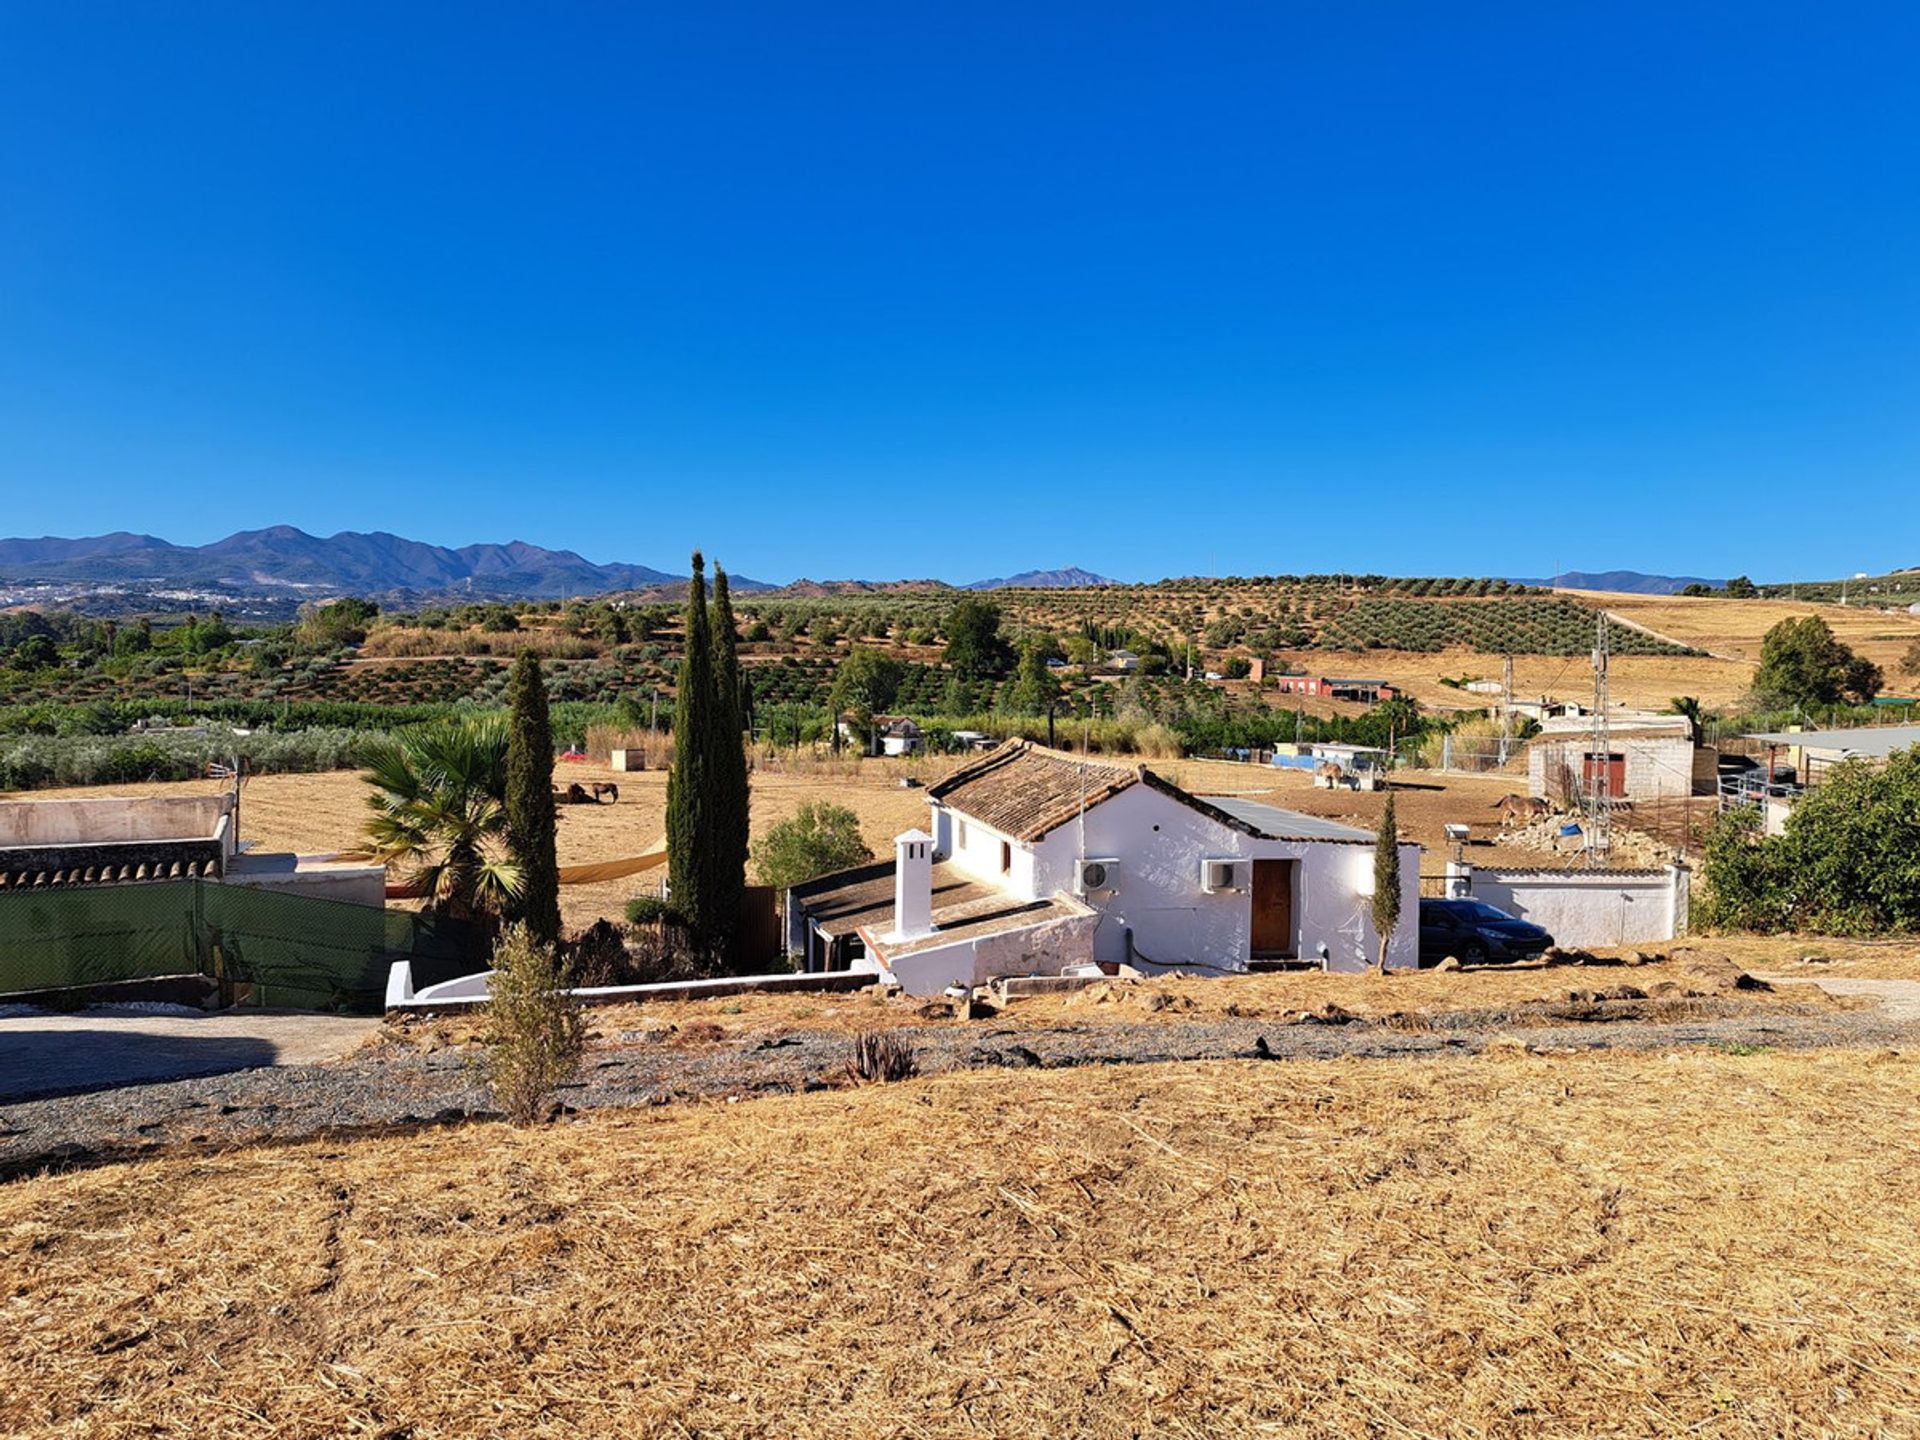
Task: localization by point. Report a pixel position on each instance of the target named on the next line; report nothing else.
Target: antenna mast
(1600, 760)
(1506, 710)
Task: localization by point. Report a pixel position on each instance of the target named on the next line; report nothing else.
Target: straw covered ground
(1710, 1243)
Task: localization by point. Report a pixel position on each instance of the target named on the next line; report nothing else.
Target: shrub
(879, 1058)
(650, 910)
(534, 1032)
(820, 839)
(1846, 864)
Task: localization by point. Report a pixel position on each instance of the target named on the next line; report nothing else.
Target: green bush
(1848, 863)
(534, 1031)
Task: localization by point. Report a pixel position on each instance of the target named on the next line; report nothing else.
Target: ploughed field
(1712, 1242)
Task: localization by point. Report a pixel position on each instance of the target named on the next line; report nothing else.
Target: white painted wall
(975, 849)
(1591, 907)
(1161, 844)
(1038, 950)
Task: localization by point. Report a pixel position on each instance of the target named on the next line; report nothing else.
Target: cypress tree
(1386, 880)
(728, 842)
(530, 820)
(690, 819)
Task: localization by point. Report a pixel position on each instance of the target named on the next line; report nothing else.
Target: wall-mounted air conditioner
(1219, 876)
(1098, 876)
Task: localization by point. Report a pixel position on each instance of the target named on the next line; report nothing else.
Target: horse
(1518, 808)
(608, 789)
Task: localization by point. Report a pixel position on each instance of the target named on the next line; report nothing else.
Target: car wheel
(1473, 953)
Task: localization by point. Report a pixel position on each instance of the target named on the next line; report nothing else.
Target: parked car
(1475, 932)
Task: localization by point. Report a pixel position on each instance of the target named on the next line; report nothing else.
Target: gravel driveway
(399, 1084)
(107, 1047)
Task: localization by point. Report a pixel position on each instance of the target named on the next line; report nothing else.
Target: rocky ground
(399, 1081)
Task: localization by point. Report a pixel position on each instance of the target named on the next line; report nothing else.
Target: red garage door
(1610, 770)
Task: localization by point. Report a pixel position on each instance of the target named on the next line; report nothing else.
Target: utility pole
(1506, 709)
(1599, 762)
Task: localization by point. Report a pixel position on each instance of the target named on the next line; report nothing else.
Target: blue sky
(955, 291)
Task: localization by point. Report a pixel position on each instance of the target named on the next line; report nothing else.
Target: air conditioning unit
(1098, 875)
(1218, 876)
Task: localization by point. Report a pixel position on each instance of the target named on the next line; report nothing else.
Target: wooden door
(1272, 933)
(1611, 768)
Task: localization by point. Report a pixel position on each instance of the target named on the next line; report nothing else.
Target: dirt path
(1899, 999)
(1617, 618)
(105, 1048)
(400, 1084)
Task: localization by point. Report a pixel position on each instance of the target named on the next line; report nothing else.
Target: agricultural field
(1734, 628)
(1519, 1243)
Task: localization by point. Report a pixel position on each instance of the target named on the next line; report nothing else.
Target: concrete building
(122, 840)
(1648, 757)
(1369, 692)
(1036, 861)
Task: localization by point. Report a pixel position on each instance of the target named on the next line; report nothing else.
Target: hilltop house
(1037, 861)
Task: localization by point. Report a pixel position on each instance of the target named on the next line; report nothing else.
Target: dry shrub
(879, 1058)
(657, 746)
(534, 1031)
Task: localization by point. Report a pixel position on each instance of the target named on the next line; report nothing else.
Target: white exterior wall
(975, 849)
(1591, 907)
(1161, 843)
(1038, 950)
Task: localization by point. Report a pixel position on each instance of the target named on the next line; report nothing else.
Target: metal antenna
(1600, 762)
(1506, 710)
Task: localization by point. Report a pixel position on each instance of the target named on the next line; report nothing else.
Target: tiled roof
(1025, 791)
(841, 903)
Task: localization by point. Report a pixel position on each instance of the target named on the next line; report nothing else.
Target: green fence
(279, 950)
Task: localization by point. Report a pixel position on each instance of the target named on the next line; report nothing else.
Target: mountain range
(282, 558)
(1624, 582)
(289, 563)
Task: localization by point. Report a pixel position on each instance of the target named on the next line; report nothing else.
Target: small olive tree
(534, 1031)
(819, 839)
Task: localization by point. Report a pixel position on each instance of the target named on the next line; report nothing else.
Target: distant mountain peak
(1070, 577)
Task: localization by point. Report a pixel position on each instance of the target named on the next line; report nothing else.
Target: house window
(1006, 857)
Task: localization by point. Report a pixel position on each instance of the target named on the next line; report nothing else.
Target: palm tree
(1690, 707)
(439, 808)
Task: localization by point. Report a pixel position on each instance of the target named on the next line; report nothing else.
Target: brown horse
(1518, 809)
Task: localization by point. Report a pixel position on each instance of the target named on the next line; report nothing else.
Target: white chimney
(912, 886)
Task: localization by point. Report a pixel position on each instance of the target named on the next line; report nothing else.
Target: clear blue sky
(958, 290)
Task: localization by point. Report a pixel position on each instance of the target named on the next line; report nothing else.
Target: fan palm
(439, 809)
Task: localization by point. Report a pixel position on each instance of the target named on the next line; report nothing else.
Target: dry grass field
(1408, 1000)
(1735, 627)
(1707, 1243)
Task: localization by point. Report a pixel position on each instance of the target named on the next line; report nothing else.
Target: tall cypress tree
(530, 819)
(690, 819)
(729, 840)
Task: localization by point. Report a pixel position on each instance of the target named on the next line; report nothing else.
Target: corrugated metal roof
(1277, 824)
(1875, 742)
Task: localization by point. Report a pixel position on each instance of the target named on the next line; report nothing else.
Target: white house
(1038, 860)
